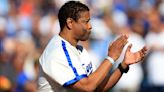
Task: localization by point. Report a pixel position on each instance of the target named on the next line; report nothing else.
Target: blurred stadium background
(27, 25)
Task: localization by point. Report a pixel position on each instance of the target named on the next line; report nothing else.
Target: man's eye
(87, 21)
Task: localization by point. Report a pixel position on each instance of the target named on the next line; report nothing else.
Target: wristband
(110, 60)
(122, 70)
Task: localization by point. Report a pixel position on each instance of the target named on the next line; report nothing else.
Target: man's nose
(89, 26)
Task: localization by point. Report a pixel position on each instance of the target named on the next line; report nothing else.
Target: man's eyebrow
(86, 20)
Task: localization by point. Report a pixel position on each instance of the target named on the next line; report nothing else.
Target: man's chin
(84, 38)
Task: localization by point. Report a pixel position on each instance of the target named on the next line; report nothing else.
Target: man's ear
(69, 22)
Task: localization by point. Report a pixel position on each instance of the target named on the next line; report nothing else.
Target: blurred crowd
(26, 26)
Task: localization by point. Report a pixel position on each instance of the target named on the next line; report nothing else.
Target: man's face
(82, 27)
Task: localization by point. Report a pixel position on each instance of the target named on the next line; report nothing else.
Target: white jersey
(62, 65)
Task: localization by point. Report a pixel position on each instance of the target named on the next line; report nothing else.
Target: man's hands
(131, 58)
(117, 46)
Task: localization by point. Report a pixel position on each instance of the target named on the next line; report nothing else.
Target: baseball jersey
(61, 65)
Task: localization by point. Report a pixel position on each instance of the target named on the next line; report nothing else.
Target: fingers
(125, 36)
(122, 40)
(125, 39)
(143, 52)
(129, 47)
(116, 47)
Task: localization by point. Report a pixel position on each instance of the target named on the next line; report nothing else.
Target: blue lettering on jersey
(89, 68)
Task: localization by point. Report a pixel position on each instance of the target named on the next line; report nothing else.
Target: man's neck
(68, 37)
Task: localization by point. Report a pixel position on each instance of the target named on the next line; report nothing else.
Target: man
(67, 66)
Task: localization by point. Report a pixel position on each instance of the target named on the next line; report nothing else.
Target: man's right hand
(116, 47)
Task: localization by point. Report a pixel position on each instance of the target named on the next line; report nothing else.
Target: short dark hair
(71, 9)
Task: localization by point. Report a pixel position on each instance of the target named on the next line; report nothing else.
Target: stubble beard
(86, 35)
